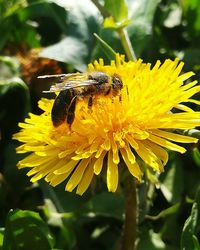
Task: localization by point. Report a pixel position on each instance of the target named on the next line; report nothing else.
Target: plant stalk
(127, 44)
(121, 31)
(130, 223)
(101, 8)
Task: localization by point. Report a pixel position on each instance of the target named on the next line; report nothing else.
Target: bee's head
(116, 82)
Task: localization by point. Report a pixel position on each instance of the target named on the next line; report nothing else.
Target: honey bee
(75, 86)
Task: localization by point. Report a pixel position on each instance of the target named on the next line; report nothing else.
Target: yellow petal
(98, 164)
(106, 145)
(166, 144)
(41, 171)
(86, 180)
(149, 157)
(157, 150)
(65, 166)
(55, 180)
(34, 160)
(184, 108)
(112, 174)
(77, 175)
(174, 137)
(132, 141)
(130, 155)
(133, 168)
(189, 85)
(185, 76)
(194, 101)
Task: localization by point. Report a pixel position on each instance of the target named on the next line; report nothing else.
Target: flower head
(137, 124)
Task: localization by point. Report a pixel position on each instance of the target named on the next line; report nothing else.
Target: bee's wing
(52, 76)
(60, 77)
(70, 84)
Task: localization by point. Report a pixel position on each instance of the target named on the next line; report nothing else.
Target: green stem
(102, 10)
(107, 49)
(121, 31)
(130, 223)
(127, 44)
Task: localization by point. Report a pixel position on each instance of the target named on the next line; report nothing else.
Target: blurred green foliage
(40, 217)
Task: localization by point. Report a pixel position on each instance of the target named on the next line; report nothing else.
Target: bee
(76, 86)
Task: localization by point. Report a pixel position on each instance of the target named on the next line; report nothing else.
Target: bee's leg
(127, 90)
(90, 101)
(107, 91)
(59, 110)
(120, 97)
(71, 111)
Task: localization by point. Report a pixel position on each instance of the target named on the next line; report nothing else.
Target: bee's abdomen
(60, 107)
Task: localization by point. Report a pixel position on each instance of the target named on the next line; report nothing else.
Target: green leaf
(13, 30)
(13, 84)
(29, 35)
(1, 237)
(4, 35)
(66, 238)
(18, 182)
(140, 30)
(192, 132)
(171, 230)
(25, 230)
(77, 47)
(196, 156)
(166, 212)
(117, 9)
(10, 7)
(45, 9)
(14, 104)
(150, 240)
(191, 58)
(191, 224)
(172, 184)
(196, 243)
(69, 50)
(107, 204)
(64, 201)
(9, 67)
(192, 14)
(18, 23)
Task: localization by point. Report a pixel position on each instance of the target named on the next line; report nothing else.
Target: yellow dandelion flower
(137, 124)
